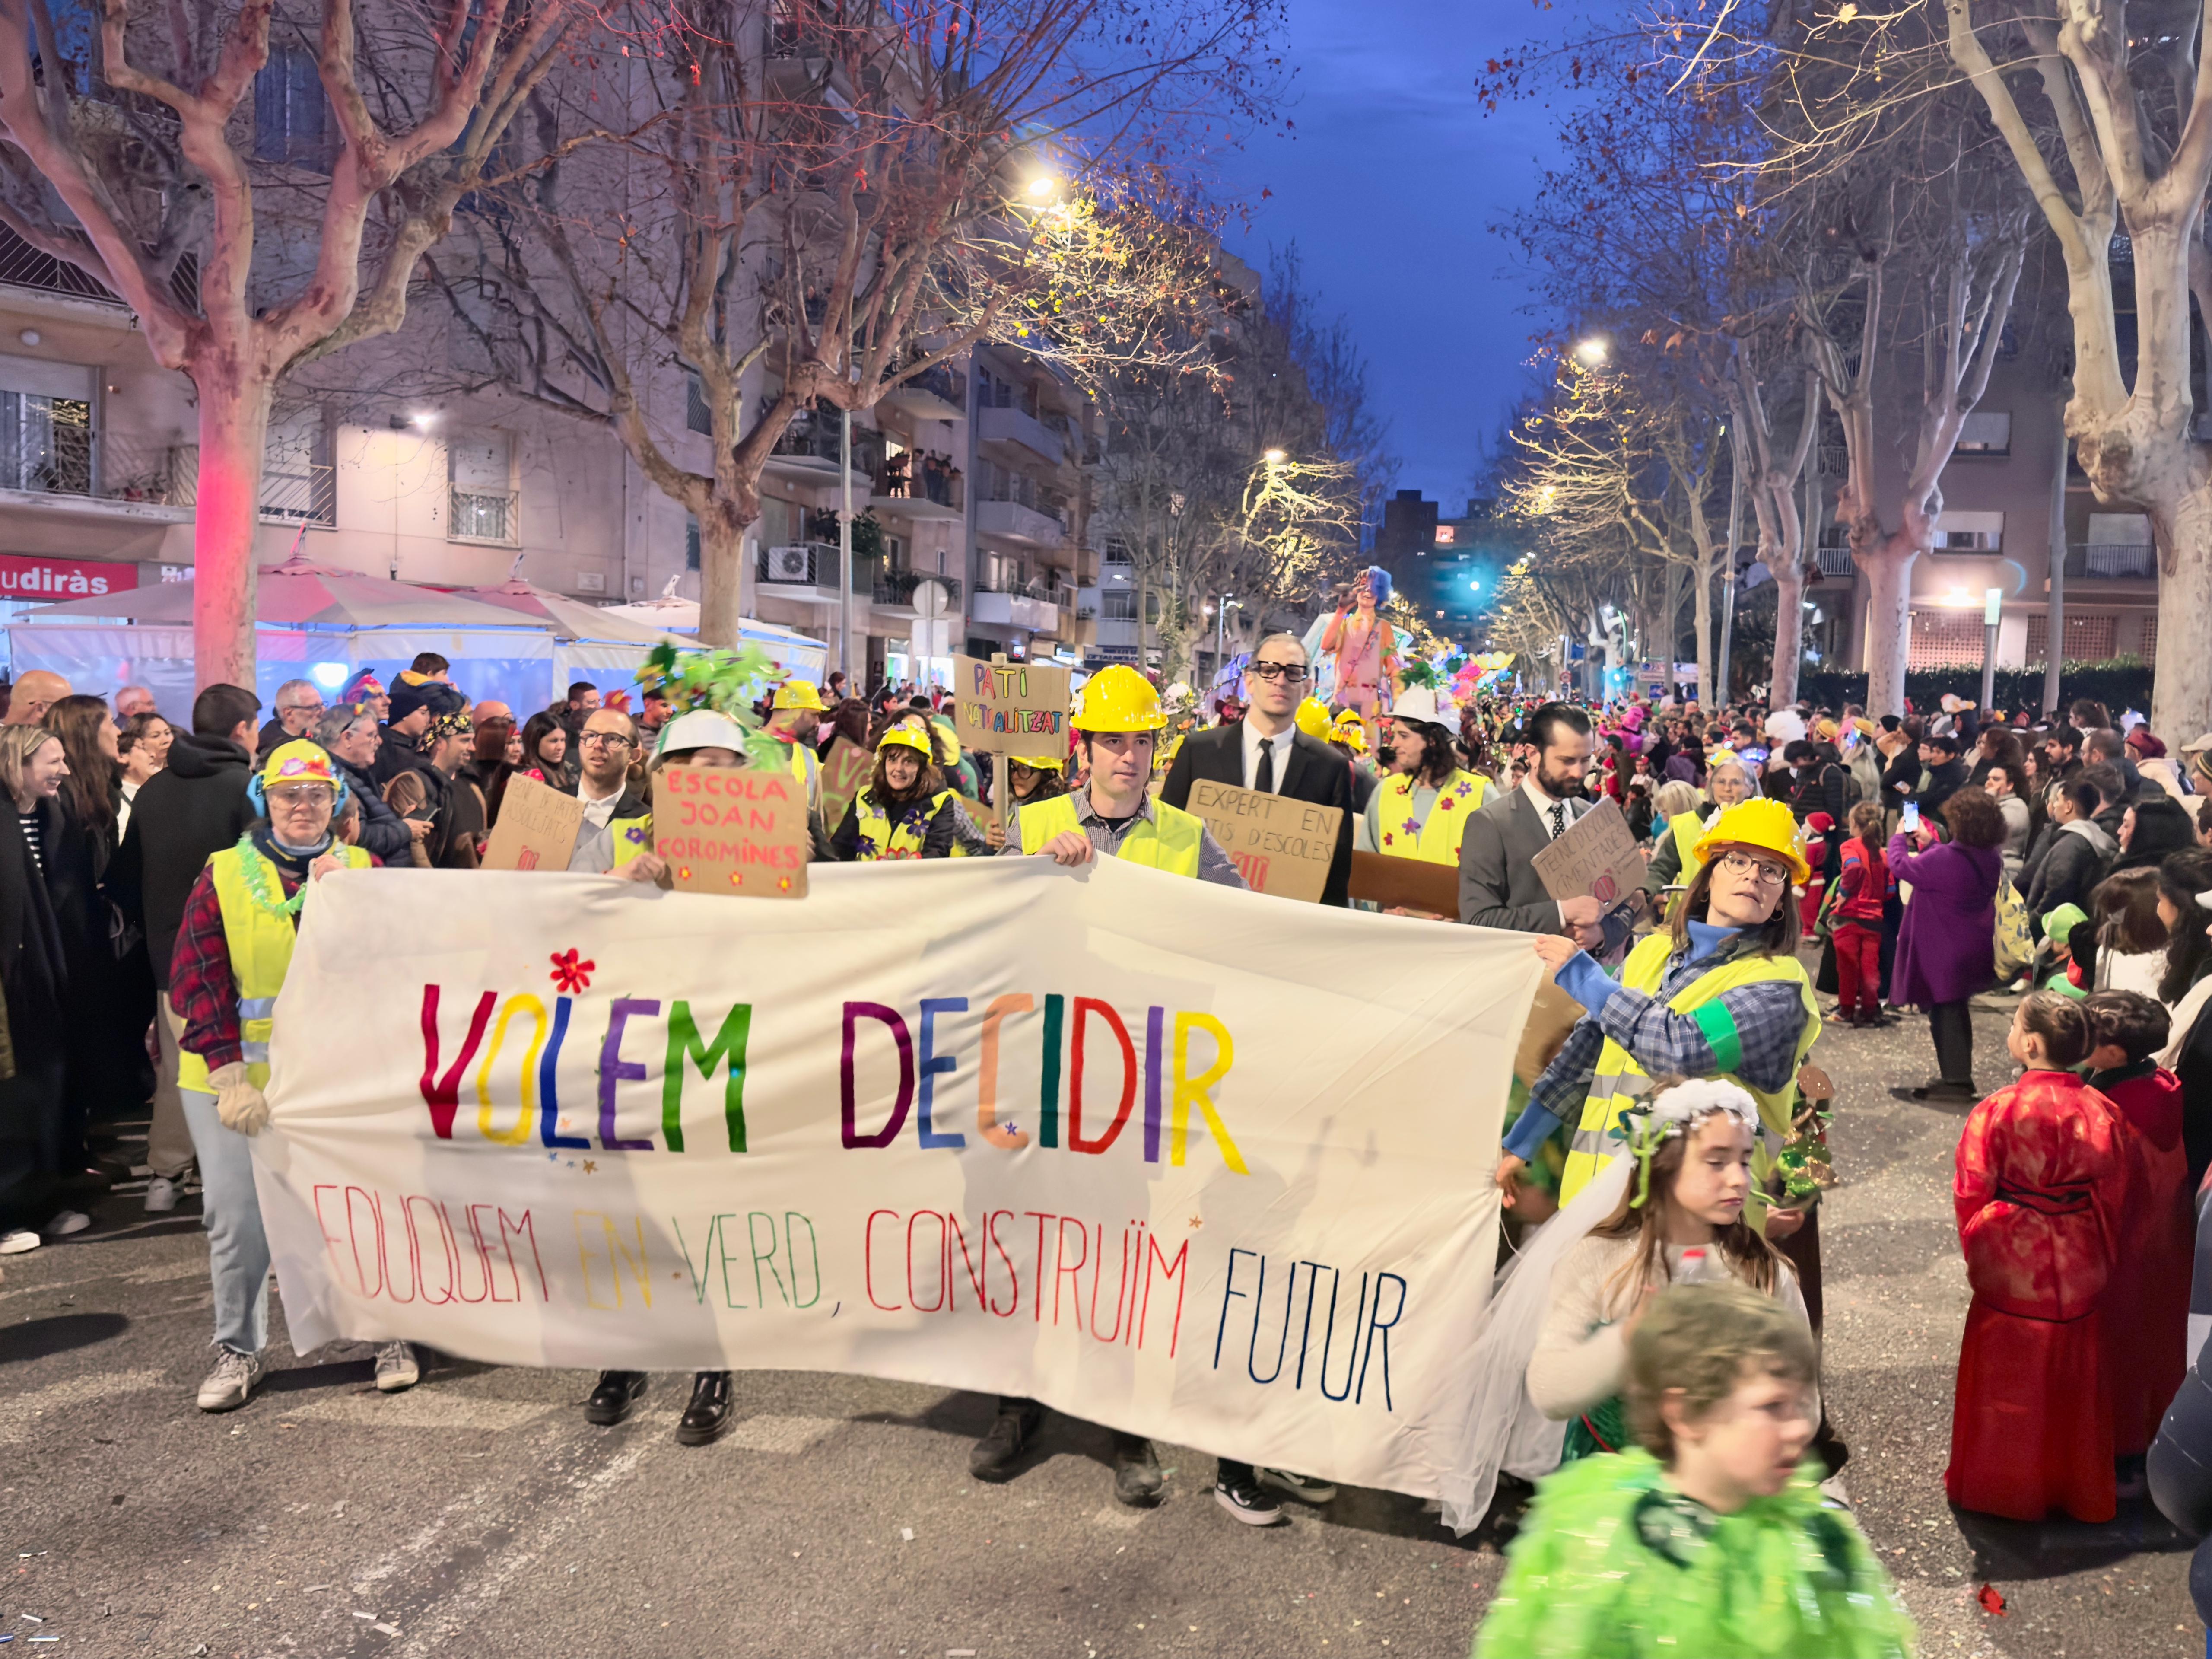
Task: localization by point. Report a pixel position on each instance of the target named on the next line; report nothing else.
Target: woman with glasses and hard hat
(1421, 808)
(233, 948)
(1029, 778)
(904, 810)
(1720, 993)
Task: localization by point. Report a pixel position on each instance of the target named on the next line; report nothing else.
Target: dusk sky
(1388, 186)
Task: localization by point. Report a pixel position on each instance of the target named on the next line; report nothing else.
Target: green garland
(263, 881)
(724, 682)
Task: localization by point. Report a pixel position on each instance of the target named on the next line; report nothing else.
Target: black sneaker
(1244, 1500)
(1008, 1437)
(710, 1413)
(1137, 1478)
(1306, 1488)
(616, 1397)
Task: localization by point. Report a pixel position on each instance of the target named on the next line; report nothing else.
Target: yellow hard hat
(1312, 718)
(1119, 699)
(1351, 731)
(904, 736)
(1759, 823)
(797, 694)
(1037, 762)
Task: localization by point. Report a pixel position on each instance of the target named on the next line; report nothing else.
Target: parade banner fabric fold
(1184, 1160)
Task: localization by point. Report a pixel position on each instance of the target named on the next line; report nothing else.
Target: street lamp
(1220, 616)
(1275, 457)
(1591, 352)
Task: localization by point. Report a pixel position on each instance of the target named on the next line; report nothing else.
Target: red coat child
(2038, 1190)
(2146, 1306)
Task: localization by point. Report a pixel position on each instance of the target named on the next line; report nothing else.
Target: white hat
(1417, 703)
(1785, 726)
(702, 729)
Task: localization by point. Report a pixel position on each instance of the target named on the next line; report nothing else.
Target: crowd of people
(1652, 1349)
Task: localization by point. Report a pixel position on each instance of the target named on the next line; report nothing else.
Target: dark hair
(429, 662)
(1974, 817)
(1701, 1338)
(2181, 876)
(2059, 1020)
(1776, 937)
(1947, 741)
(577, 688)
(2204, 815)
(135, 730)
(2126, 904)
(1544, 725)
(89, 792)
(491, 740)
(2135, 1024)
(1049, 784)
(927, 781)
(222, 710)
(1799, 751)
(2083, 793)
(2067, 737)
(535, 730)
(1439, 759)
(2085, 710)
(2105, 779)
(1866, 821)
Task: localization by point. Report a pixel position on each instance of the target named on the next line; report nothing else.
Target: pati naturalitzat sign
(1010, 708)
(1166, 1157)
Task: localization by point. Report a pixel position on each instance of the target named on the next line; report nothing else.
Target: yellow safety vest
(882, 839)
(260, 947)
(1436, 841)
(1169, 840)
(631, 836)
(805, 766)
(1619, 1082)
(1687, 828)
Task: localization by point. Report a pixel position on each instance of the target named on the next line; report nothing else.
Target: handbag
(2014, 947)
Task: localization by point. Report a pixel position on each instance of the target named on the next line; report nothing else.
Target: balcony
(1024, 605)
(481, 516)
(939, 393)
(1011, 520)
(60, 471)
(812, 446)
(935, 494)
(895, 589)
(1834, 561)
(2113, 561)
(1019, 428)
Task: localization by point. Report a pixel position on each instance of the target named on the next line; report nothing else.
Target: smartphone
(1909, 824)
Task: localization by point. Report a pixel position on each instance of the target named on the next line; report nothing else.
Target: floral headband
(1677, 1112)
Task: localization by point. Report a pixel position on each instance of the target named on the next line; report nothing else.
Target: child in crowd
(2146, 1306)
(2131, 938)
(1861, 890)
(2038, 1188)
(2059, 928)
(1707, 1537)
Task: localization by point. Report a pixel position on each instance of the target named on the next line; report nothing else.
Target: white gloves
(238, 1101)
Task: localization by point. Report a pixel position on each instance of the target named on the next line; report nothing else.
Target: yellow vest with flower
(1436, 841)
(882, 838)
(259, 943)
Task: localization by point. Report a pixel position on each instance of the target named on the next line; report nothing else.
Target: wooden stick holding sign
(737, 832)
(999, 764)
(536, 829)
(1281, 847)
(1596, 857)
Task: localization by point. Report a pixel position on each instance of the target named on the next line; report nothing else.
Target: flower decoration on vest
(571, 976)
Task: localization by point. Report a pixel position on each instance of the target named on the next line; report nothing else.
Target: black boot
(707, 1419)
(1009, 1436)
(616, 1397)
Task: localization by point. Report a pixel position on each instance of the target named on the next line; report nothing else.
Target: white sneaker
(68, 1221)
(161, 1195)
(231, 1381)
(1307, 1488)
(14, 1243)
(396, 1367)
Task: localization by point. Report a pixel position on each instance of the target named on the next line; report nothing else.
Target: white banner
(1184, 1160)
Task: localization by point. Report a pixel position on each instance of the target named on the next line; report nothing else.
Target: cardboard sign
(1597, 857)
(1551, 1017)
(536, 829)
(1010, 708)
(845, 770)
(740, 831)
(1280, 846)
(1406, 883)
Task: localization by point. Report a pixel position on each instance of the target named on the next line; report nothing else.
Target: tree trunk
(234, 407)
(721, 574)
(2181, 692)
(1888, 570)
(1789, 634)
(1704, 585)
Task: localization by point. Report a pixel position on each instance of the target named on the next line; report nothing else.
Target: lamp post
(1992, 607)
(845, 551)
(1220, 616)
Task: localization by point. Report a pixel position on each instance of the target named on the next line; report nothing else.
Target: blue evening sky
(1389, 186)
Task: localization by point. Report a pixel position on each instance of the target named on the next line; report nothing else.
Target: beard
(1571, 790)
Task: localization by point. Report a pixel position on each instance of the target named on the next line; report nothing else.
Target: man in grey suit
(1498, 886)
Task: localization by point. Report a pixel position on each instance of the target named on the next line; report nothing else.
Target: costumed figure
(1359, 649)
(2038, 1191)
(1708, 1537)
(1421, 808)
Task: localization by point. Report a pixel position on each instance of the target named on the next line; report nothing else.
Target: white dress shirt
(1253, 741)
(595, 843)
(1544, 804)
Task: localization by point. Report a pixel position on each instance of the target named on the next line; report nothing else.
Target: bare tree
(127, 155)
(1770, 451)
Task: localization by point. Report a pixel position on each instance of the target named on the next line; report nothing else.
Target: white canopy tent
(789, 651)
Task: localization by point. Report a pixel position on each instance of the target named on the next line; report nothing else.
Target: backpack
(2015, 950)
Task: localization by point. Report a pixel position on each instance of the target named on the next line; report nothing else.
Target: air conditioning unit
(790, 564)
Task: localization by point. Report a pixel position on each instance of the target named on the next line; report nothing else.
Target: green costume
(1614, 1563)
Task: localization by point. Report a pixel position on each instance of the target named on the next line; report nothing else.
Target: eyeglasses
(605, 740)
(300, 795)
(1291, 672)
(1743, 864)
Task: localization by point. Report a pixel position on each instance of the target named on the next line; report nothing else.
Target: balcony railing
(815, 435)
(946, 384)
(481, 515)
(66, 460)
(1835, 460)
(897, 587)
(2113, 561)
(895, 477)
(1834, 561)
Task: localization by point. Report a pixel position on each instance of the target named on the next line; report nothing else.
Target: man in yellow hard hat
(794, 719)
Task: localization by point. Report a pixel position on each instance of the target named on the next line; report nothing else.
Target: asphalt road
(479, 1515)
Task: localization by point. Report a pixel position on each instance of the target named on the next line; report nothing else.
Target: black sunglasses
(1293, 672)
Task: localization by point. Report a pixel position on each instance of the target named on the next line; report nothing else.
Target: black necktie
(1558, 819)
(1265, 780)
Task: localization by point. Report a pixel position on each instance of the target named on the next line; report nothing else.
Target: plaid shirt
(1769, 1016)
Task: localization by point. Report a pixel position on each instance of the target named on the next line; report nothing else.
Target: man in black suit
(1267, 750)
(1498, 886)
